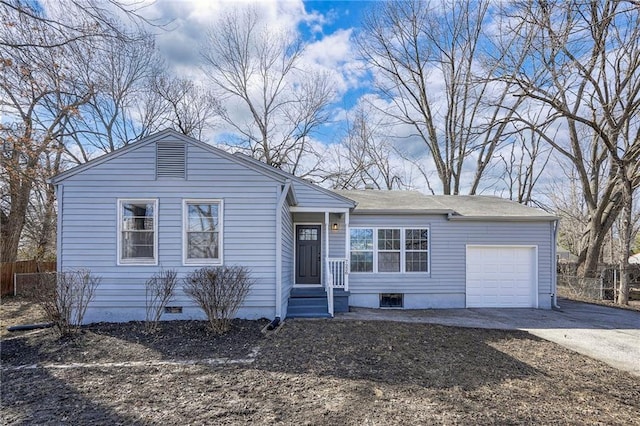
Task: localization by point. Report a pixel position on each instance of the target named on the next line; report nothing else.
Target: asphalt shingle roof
(463, 206)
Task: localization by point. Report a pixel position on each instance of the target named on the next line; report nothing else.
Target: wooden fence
(8, 271)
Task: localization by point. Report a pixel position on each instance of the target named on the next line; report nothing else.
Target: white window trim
(373, 249)
(403, 265)
(185, 220)
(136, 262)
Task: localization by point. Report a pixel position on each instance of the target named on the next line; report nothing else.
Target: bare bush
(65, 297)
(159, 289)
(219, 291)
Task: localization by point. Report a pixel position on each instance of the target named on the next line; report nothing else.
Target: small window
(391, 300)
(203, 231)
(137, 232)
(308, 234)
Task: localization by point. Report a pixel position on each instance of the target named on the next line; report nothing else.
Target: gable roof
(238, 158)
(456, 207)
(164, 134)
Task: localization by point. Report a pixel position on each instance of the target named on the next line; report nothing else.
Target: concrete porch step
(308, 302)
(308, 315)
(301, 292)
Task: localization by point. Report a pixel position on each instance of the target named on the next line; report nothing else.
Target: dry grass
(310, 372)
(634, 304)
(17, 311)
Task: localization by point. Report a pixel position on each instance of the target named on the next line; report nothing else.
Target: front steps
(308, 302)
(311, 302)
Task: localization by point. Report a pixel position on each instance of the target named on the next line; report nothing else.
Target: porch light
(334, 227)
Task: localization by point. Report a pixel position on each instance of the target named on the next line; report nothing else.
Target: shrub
(158, 290)
(65, 297)
(219, 291)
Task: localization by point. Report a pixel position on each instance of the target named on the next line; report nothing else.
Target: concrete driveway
(608, 334)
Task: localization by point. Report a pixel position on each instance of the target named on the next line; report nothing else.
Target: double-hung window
(362, 250)
(416, 243)
(202, 232)
(137, 232)
(402, 250)
(388, 250)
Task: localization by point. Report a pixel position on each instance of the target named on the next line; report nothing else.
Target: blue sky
(340, 14)
(327, 27)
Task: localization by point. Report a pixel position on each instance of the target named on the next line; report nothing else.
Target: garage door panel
(501, 276)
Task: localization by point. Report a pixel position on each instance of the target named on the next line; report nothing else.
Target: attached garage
(501, 277)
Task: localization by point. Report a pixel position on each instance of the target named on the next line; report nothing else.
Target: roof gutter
(403, 211)
(554, 263)
(281, 199)
(453, 217)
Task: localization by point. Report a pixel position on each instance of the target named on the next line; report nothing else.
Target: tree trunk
(49, 215)
(12, 229)
(48, 221)
(589, 256)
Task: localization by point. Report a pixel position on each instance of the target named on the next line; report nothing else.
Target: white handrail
(336, 277)
(337, 267)
(329, 287)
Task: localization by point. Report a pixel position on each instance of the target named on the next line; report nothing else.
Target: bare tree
(365, 156)
(427, 59)
(120, 73)
(40, 93)
(567, 202)
(187, 107)
(583, 67)
(67, 22)
(38, 236)
(280, 104)
(524, 163)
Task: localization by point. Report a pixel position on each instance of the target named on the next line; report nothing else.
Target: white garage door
(501, 277)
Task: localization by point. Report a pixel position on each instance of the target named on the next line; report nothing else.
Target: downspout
(281, 199)
(59, 196)
(554, 262)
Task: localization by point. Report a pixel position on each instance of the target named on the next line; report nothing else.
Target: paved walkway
(607, 334)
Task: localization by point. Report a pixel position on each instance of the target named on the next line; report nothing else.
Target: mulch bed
(112, 342)
(310, 372)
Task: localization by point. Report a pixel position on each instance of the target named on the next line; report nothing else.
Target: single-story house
(171, 201)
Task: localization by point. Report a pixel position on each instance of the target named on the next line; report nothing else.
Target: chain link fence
(601, 287)
(27, 284)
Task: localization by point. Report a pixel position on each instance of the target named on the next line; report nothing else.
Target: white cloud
(334, 54)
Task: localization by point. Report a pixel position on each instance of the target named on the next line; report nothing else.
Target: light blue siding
(287, 256)
(445, 285)
(309, 195)
(90, 230)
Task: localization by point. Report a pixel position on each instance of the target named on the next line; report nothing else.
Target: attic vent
(170, 160)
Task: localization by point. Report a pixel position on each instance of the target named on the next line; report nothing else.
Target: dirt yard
(634, 302)
(309, 372)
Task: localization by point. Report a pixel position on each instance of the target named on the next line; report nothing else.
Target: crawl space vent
(170, 160)
(173, 309)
